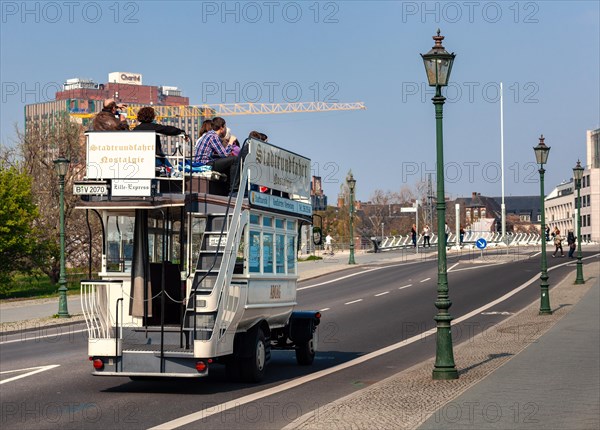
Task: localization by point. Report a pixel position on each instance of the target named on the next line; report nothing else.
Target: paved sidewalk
(553, 384)
(528, 372)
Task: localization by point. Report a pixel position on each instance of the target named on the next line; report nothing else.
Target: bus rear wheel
(253, 367)
(305, 352)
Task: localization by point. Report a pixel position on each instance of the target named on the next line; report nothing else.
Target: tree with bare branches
(39, 145)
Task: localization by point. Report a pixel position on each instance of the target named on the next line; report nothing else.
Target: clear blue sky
(547, 54)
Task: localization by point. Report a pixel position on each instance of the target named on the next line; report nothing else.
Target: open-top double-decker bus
(193, 276)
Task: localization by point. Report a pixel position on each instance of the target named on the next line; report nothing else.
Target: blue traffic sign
(481, 243)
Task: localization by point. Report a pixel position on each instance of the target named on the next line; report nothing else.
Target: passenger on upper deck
(146, 117)
(105, 121)
(111, 106)
(210, 150)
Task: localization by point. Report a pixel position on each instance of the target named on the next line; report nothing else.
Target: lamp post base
(441, 374)
(579, 279)
(62, 302)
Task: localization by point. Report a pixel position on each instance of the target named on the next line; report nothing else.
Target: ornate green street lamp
(541, 157)
(61, 166)
(351, 185)
(577, 176)
(438, 65)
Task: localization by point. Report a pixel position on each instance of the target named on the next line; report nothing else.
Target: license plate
(90, 189)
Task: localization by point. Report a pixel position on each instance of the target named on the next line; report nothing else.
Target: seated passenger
(210, 151)
(111, 106)
(105, 121)
(146, 117)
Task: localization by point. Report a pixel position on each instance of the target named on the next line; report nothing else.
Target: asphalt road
(370, 308)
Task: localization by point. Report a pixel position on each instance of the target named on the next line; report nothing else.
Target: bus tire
(253, 367)
(305, 352)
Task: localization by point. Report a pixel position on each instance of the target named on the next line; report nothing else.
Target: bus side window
(291, 255)
(254, 252)
(280, 253)
(267, 252)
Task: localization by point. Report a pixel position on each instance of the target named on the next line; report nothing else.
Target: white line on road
(406, 286)
(382, 294)
(425, 280)
(453, 267)
(212, 410)
(37, 338)
(477, 267)
(339, 279)
(358, 273)
(33, 371)
(324, 309)
(537, 253)
(354, 301)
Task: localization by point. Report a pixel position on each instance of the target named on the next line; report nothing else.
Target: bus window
(254, 252)
(267, 252)
(278, 223)
(291, 225)
(198, 227)
(119, 238)
(280, 253)
(254, 219)
(291, 255)
(267, 221)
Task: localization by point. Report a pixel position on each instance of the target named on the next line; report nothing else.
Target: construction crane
(233, 109)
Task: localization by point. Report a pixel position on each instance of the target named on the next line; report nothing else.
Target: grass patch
(310, 258)
(38, 285)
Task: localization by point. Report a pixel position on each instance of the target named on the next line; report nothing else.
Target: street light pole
(61, 165)
(438, 65)
(351, 185)
(577, 176)
(541, 155)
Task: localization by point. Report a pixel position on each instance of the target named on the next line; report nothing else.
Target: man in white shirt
(328, 247)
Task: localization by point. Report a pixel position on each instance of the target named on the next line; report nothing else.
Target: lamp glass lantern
(351, 182)
(438, 63)
(61, 165)
(541, 152)
(578, 173)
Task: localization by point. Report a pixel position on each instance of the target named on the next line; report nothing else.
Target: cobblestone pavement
(406, 400)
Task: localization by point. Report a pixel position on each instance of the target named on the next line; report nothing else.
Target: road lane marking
(338, 279)
(204, 413)
(359, 273)
(382, 294)
(453, 267)
(406, 286)
(33, 371)
(477, 267)
(324, 309)
(37, 338)
(425, 280)
(354, 301)
(537, 253)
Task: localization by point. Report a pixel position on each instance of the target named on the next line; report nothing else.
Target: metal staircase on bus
(214, 271)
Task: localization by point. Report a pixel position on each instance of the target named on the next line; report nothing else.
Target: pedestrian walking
(328, 244)
(413, 233)
(558, 243)
(426, 235)
(462, 235)
(572, 243)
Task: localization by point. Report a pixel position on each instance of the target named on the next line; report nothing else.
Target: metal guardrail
(493, 239)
